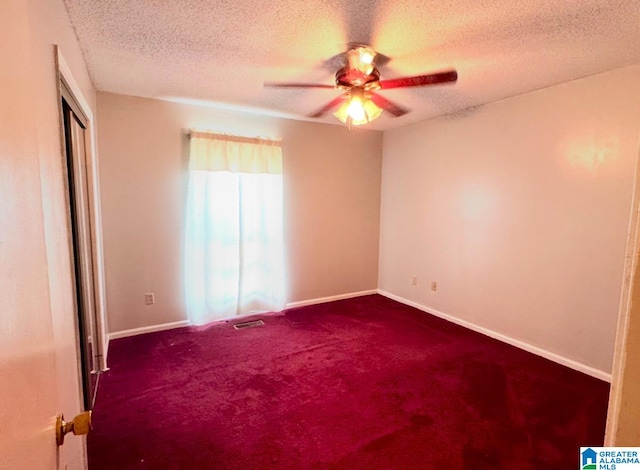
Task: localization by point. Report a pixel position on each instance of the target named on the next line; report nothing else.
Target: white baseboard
(322, 300)
(593, 372)
(179, 324)
(148, 329)
(580, 367)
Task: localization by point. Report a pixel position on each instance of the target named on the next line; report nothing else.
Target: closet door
(75, 144)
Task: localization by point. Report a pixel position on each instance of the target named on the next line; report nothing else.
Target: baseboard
(179, 324)
(148, 329)
(322, 300)
(593, 372)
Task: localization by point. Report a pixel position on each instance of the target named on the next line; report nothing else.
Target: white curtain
(234, 260)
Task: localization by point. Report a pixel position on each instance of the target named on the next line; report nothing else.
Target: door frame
(627, 312)
(95, 216)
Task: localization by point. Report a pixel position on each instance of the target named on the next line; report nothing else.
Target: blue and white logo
(589, 458)
(609, 458)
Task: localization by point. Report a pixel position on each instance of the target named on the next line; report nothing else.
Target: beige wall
(332, 201)
(38, 359)
(519, 210)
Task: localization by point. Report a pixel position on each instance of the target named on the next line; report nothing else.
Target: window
(234, 251)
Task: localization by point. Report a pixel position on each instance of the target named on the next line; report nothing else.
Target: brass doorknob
(80, 425)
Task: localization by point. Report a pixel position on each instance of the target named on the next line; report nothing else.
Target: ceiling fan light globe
(358, 111)
(372, 110)
(342, 113)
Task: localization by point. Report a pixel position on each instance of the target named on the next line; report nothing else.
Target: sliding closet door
(76, 140)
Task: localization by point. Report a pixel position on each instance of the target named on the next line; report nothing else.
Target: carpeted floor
(365, 383)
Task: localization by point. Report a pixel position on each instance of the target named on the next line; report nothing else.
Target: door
(75, 124)
(31, 377)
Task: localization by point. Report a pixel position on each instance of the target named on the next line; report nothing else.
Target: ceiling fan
(359, 78)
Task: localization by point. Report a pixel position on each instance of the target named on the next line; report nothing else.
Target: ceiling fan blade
(297, 85)
(329, 106)
(420, 80)
(381, 60)
(394, 109)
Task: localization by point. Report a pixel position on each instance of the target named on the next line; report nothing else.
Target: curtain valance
(222, 152)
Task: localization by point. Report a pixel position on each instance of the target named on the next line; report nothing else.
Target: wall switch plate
(414, 281)
(150, 298)
(434, 285)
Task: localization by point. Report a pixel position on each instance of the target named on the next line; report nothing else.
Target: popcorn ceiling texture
(222, 51)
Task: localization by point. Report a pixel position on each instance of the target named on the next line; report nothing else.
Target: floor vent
(248, 324)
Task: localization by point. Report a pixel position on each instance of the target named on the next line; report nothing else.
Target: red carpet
(364, 383)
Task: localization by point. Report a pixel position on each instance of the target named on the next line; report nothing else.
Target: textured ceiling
(222, 51)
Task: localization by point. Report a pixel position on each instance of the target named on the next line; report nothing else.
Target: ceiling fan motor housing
(347, 78)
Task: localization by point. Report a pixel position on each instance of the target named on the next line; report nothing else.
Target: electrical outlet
(150, 298)
(434, 285)
(414, 281)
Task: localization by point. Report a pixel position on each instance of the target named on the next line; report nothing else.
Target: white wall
(331, 191)
(519, 210)
(38, 357)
